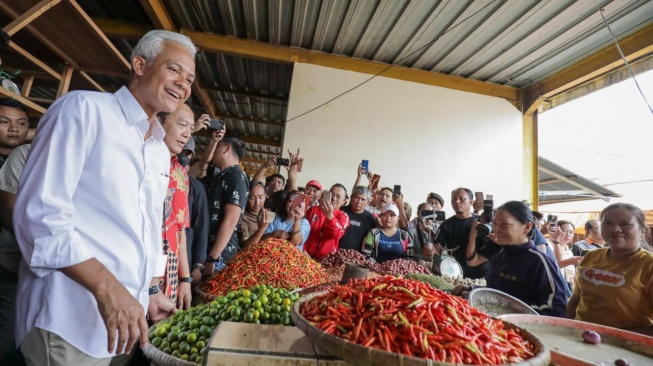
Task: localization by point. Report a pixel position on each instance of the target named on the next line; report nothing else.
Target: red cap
(315, 184)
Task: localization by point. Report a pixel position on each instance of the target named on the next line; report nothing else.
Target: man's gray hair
(361, 190)
(152, 44)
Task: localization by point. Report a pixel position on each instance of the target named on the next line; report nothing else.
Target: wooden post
(64, 84)
(531, 176)
(27, 86)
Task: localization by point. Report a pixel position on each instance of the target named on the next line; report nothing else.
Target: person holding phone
(256, 218)
(423, 231)
(361, 221)
(614, 284)
(289, 222)
(328, 223)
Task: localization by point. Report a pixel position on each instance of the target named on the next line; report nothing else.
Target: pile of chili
(410, 317)
(274, 262)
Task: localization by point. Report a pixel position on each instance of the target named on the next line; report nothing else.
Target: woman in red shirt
(328, 223)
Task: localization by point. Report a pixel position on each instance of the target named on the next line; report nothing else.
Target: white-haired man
(90, 231)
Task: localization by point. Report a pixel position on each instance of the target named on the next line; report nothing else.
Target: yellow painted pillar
(531, 176)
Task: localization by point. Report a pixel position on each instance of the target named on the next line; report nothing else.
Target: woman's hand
(462, 290)
(202, 123)
(299, 213)
(555, 233)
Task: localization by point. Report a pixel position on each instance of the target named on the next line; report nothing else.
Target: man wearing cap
(435, 200)
(314, 190)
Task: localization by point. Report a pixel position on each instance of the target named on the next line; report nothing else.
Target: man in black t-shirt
(454, 232)
(361, 221)
(227, 196)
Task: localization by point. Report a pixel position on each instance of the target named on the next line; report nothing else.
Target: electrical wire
(391, 65)
(630, 70)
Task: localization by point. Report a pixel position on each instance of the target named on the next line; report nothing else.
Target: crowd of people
(109, 220)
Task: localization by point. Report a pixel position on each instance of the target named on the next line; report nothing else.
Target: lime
(174, 345)
(167, 350)
(276, 309)
(193, 357)
(287, 301)
(194, 324)
(248, 318)
(160, 331)
(200, 344)
(185, 357)
(235, 312)
(164, 344)
(246, 293)
(258, 304)
(182, 336)
(277, 300)
(192, 338)
(156, 342)
(193, 350)
(256, 314)
(200, 360)
(176, 353)
(285, 308)
(184, 348)
(263, 299)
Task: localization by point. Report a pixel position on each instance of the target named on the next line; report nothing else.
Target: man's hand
(280, 234)
(399, 200)
(327, 208)
(264, 219)
(184, 296)
(271, 162)
(197, 276)
(218, 135)
(160, 307)
(209, 268)
(122, 314)
(361, 171)
(294, 158)
(554, 233)
(202, 123)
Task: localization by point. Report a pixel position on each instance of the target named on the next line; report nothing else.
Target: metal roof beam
(28, 103)
(634, 47)
(275, 53)
(27, 17)
(247, 94)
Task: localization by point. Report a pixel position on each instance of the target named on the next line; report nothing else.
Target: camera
(216, 124)
(486, 217)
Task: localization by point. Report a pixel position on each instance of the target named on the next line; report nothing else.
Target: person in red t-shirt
(328, 223)
(178, 126)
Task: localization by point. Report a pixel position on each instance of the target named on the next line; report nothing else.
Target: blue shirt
(279, 224)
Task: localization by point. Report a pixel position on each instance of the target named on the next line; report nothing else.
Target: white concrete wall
(423, 137)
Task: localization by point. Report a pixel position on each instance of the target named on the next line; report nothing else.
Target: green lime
(184, 348)
(258, 304)
(176, 353)
(156, 342)
(256, 314)
(235, 312)
(192, 338)
(287, 301)
(164, 344)
(185, 357)
(248, 318)
(234, 319)
(167, 350)
(160, 331)
(174, 345)
(193, 357)
(182, 336)
(200, 344)
(194, 324)
(276, 309)
(277, 300)
(246, 293)
(200, 360)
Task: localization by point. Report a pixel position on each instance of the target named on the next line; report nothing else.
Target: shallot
(591, 336)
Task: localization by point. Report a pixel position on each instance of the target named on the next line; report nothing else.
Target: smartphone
(479, 196)
(365, 164)
(299, 199)
(375, 181)
(583, 252)
(397, 189)
(283, 162)
(552, 220)
(426, 213)
(216, 124)
(326, 195)
(440, 216)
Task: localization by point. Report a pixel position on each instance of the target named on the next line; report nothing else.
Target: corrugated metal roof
(557, 184)
(508, 42)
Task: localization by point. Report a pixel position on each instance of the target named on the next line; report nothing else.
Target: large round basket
(204, 297)
(365, 356)
(160, 358)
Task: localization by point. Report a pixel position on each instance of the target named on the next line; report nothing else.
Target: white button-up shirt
(92, 188)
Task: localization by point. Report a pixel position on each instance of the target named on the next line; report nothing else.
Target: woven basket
(204, 297)
(160, 358)
(366, 356)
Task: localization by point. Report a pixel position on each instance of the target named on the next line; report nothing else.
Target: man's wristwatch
(198, 266)
(154, 289)
(186, 279)
(210, 259)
